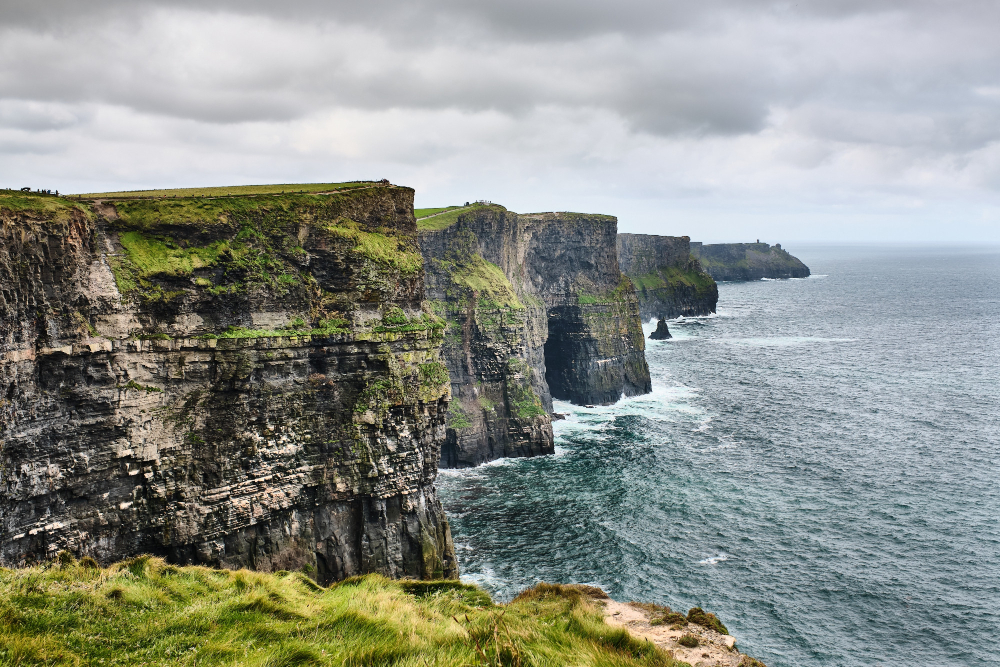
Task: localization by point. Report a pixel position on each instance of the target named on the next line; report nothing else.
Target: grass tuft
(145, 611)
(699, 616)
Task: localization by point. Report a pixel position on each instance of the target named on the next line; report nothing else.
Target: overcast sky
(832, 120)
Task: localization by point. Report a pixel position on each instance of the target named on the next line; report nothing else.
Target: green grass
(246, 240)
(615, 296)
(388, 250)
(457, 418)
(521, 397)
(154, 256)
(325, 328)
(699, 616)
(426, 212)
(433, 374)
(450, 217)
(487, 281)
(673, 277)
(48, 206)
(232, 190)
(145, 612)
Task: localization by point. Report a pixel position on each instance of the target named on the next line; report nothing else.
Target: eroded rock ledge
(235, 381)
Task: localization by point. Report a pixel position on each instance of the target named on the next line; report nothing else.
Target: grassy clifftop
(231, 190)
(145, 612)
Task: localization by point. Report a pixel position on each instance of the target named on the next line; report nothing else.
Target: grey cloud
(36, 116)
(518, 19)
(714, 67)
(866, 87)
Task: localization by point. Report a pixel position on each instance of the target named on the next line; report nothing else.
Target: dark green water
(819, 465)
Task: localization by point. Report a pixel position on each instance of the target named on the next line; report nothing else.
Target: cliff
(249, 380)
(669, 281)
(537, 308)
(748, 261)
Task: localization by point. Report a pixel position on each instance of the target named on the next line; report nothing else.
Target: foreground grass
(145, 612)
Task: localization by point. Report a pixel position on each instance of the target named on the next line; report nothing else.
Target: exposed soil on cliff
(713, 649)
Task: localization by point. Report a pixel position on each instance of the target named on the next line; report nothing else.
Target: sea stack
(662, 332)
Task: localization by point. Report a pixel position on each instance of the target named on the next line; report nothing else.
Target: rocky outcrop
(537, 308)
(499, 405)
(748, 261)
(239, 381)
(662, 331)
(669, 281)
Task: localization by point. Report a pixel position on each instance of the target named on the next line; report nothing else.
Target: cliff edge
(668, 279)
(748, 261)
(537, 309)
(234, 380)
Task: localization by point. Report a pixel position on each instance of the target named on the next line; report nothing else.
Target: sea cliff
(233, 380)
(748, 261)
(669, 281)
(537, 308)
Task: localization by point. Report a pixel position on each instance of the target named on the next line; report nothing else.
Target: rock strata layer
(669, 281)
(748, 261)
(240, 381)
(537, 309)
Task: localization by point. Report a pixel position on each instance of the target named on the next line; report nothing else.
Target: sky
(725, 120)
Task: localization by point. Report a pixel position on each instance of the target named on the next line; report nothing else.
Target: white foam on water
(680, 319)
(781, 341)
(714, 560)
(665, 403)
(482, 579)
(502, 462)
(703, 426)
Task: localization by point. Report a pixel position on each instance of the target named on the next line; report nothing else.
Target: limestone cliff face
(496, 410)
(748, 261)
(239, 381)
(537, 308)
(669, 281)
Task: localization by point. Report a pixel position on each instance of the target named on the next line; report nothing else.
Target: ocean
(818, 464)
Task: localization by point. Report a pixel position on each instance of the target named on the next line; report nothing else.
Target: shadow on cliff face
(563, 353)
(586, 365)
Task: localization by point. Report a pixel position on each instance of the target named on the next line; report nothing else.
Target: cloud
(753, 102)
